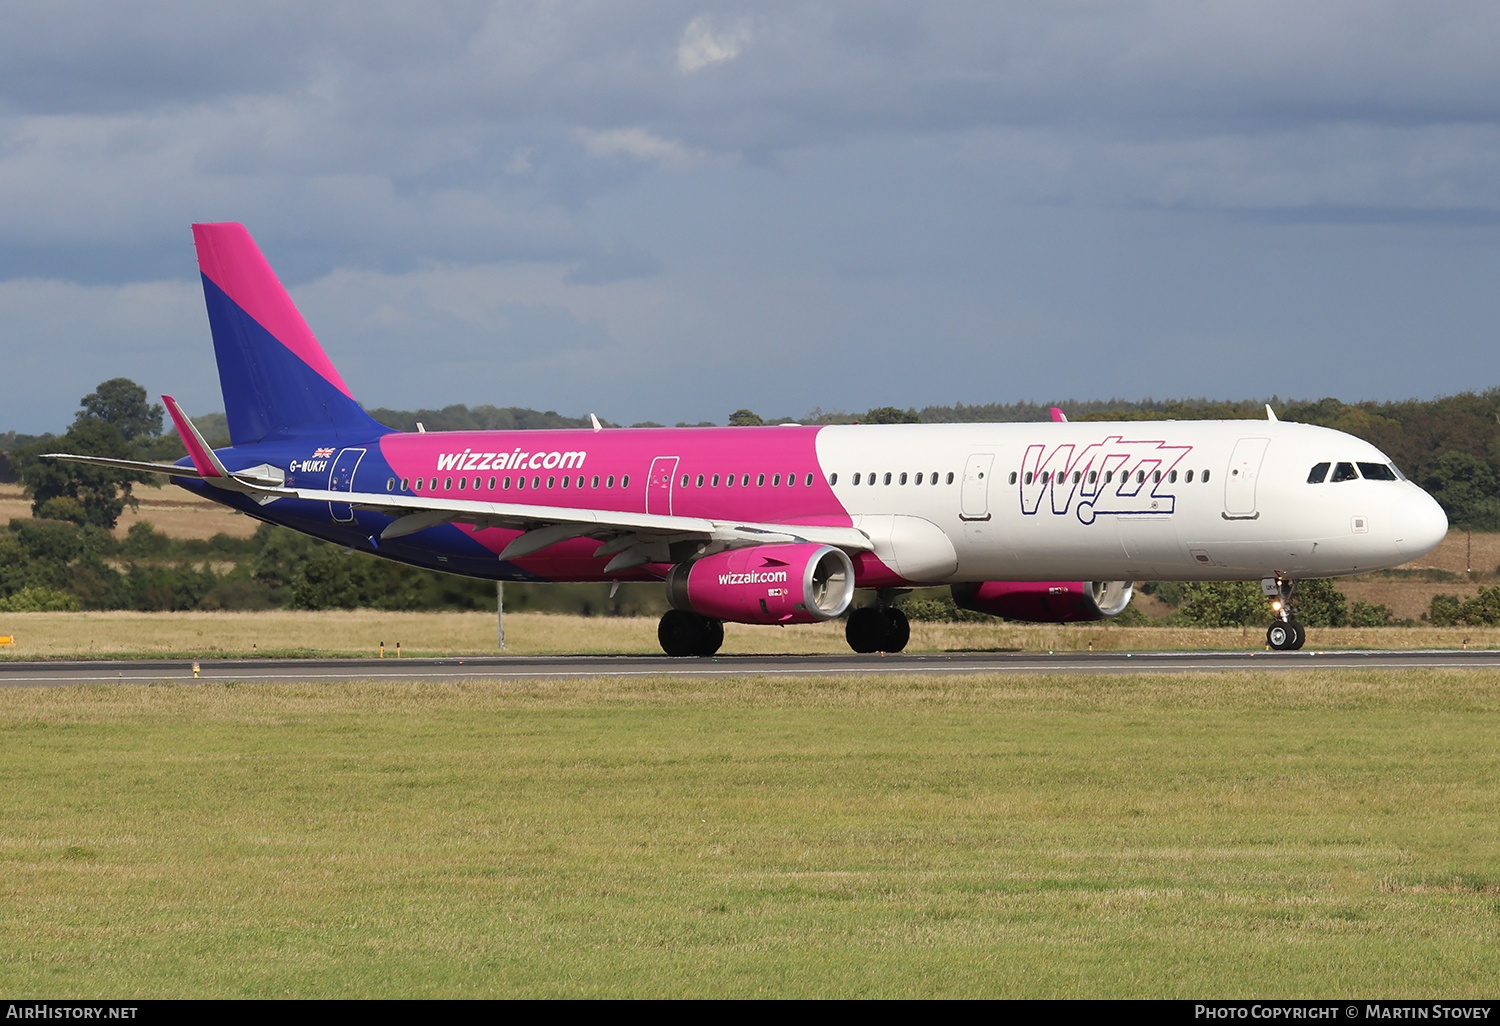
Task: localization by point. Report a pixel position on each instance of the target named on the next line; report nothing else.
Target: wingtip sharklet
(205, 461)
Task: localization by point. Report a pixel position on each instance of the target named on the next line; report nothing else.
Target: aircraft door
(659, 485)
(975, 498)
(1239, 483)
(341, 479)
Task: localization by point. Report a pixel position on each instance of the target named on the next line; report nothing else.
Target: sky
(670, 211)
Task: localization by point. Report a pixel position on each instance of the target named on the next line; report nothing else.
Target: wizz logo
(1113, 476)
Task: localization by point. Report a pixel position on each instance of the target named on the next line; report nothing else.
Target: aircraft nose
(1420, 524)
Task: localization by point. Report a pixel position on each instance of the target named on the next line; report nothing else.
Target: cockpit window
(1318, 473)
(1344, 472)
(1376, 472)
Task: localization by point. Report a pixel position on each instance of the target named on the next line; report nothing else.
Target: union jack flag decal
(320, 453)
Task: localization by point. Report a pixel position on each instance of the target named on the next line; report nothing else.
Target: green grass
(1323, 833)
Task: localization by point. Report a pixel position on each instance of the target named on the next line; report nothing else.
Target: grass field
(1315, 834)
(359, 633)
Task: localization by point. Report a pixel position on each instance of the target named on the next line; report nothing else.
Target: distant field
(1324, 834)
(171, 510)
(359, 633)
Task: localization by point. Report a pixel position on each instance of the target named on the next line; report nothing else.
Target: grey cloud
(821, 183)
(619, 265)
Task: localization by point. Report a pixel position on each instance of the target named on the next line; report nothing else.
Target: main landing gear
(1285, 634)
(689, 634)
(877, 628)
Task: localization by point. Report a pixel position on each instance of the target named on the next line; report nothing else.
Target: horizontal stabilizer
(140, 465)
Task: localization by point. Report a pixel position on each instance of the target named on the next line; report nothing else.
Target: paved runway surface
(54, 674)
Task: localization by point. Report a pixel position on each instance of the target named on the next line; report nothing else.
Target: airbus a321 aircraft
(1047, 522)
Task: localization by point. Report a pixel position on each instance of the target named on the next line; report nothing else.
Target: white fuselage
(1153, 500)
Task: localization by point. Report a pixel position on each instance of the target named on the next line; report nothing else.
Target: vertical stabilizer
(277, 381)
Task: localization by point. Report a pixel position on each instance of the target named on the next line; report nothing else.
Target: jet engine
(1046, 601)
(794, 583)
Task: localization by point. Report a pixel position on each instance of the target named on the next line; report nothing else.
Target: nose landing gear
(1285, 634)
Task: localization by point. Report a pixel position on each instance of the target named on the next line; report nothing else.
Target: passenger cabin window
(1344, 472)
(1376, 472)
(1318, 473)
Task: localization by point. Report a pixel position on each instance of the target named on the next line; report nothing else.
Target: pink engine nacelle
(1046, 601)
(795, 583)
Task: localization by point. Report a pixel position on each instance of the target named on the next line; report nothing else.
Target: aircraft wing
(631, 538)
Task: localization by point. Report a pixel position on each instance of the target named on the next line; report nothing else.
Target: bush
(1315, 603)
(1222, 604)
(942, 610)
(1443, 611)
(1366, 614)
(39, 600)
(1483, 610)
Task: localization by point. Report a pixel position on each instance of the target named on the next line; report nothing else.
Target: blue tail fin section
(277, 381)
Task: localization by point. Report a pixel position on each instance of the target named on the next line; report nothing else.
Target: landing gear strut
(688, 634)
(878, 628)
(1285, 634)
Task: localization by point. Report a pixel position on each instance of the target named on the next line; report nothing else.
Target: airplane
(1046, 522)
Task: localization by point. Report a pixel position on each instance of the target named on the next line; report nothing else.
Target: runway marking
(1147, 663)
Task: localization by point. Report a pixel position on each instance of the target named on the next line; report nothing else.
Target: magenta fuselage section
(755, 475)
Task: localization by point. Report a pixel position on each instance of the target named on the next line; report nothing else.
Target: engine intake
(796, 583)
(1046, 601)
